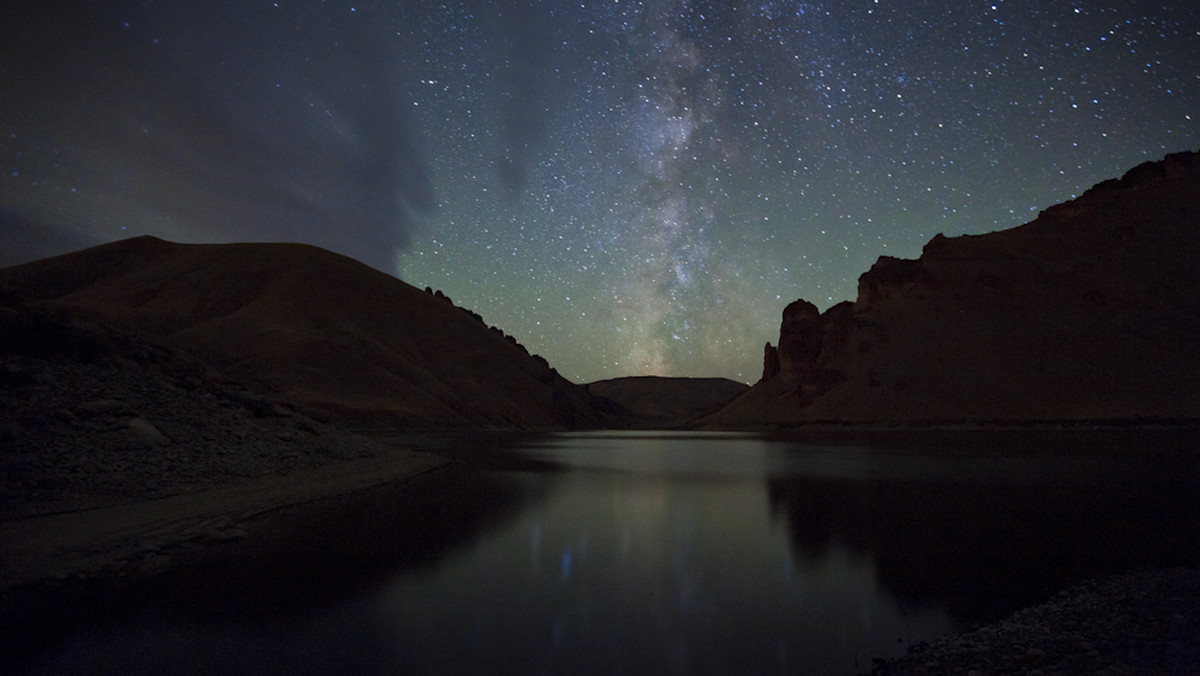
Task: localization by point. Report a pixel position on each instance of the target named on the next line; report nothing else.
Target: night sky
(627, 188)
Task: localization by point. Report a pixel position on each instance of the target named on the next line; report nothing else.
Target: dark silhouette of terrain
(1088, 313)
(308, 328)
(656, 402)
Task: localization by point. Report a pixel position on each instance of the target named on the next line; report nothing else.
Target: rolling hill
(319, 331)
(657, 401)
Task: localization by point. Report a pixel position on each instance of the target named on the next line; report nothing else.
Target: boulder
(144, 433)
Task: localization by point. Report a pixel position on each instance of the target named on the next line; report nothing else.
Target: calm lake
(667, 553)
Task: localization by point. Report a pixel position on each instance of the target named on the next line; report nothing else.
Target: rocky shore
(115, 453)
(1146, 622)
(79, 435)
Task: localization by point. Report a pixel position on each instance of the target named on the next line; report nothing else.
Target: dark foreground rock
(91, 418)
(1136, 623)
(117, 455)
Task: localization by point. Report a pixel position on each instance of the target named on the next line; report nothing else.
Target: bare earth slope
(1090, 312)
(667, 401)
(330, 336)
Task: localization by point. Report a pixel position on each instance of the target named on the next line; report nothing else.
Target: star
(627, 188)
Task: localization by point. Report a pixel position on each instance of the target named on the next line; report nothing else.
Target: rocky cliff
(1089, 312)
(320, 332)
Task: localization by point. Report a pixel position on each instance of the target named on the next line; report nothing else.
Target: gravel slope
(1146, 622)
(114, 452)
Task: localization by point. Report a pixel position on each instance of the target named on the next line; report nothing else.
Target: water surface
(681, 553)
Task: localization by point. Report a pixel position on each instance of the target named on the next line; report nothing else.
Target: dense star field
(627, 188)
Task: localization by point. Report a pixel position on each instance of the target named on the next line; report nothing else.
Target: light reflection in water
(698, 554)
(655, 555)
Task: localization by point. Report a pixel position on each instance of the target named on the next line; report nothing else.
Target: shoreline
(981, 425)
(143, 537)
(139, 535)
(204, 536)
(1141, 622)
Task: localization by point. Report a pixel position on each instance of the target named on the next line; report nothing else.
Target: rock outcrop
(1089, 312)
(331, 337)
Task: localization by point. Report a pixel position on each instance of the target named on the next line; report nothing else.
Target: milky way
(627, 188)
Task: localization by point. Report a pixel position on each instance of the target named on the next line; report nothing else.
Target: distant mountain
(1090, 312)
(657, 401)
(317, 330)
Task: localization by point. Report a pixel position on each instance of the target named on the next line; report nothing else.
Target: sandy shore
(140, 537)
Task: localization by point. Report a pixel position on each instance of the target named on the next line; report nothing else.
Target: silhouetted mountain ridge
(315, 329)
(661, 401)
(1089, 312)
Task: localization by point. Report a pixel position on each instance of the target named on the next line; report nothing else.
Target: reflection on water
(678, 570)
(699, 553)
